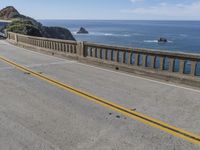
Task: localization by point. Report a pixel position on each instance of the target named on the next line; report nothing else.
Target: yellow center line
(195, 139)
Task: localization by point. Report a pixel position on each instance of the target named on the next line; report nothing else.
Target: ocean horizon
(182, 35)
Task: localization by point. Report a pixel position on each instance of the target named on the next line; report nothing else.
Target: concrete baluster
(171, 64)
(48, 44)
(193, 68)
(66, 47)
(42, 43)
(136, 59)
(38, 43)
(90, 51)
(60, 47)
(98, 53)
(181, 66)
(71, 48)
(123, 57)
(161, 63)
(153, 61)
(93, 52)
(106, 54)
(116, 56)
(75, 49)
(144, 60)
(63, 47)
(112, 55)
(57, 46)
(129, 58)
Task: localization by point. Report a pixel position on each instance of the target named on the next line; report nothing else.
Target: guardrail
(182, 63)
(60, 46)
(172, 63)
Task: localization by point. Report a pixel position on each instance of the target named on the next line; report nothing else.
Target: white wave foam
(151, 41)
(137, 34)
(183, 35)
(102, 34)
(155, 41)
(108, 34)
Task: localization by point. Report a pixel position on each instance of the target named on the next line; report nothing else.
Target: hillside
(29, 26)
(9, 13)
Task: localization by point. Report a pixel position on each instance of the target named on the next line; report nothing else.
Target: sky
(108, 9)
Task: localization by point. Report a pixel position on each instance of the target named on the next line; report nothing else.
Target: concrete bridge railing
(182, 63)
(177, 66)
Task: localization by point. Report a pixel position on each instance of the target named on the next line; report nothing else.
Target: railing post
(81, 51)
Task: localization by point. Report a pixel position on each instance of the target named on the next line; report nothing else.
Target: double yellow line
(132, 114)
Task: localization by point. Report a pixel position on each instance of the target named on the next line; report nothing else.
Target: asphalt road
(36, 115)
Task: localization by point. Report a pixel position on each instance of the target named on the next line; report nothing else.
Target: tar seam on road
(136, 115)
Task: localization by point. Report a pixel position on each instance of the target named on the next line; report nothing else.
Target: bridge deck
(37, 115)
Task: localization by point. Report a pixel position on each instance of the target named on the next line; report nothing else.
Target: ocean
(2, 24)
(183, 36)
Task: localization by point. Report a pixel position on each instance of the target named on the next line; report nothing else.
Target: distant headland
(22, 24)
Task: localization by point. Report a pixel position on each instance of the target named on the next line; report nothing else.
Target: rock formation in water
(82, 31)
(29, 26)
(162, 40)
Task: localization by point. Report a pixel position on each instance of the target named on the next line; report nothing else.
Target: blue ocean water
(182, 35)
(2, 24)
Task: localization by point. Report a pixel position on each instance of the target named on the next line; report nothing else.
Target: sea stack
(162, 40)
(82, 31)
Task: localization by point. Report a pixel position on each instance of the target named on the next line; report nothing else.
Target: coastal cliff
(29, 26)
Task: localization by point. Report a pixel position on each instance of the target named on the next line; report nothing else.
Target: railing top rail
(162, 53)
(46, 39)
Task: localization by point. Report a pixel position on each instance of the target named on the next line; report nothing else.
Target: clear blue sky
(108, 9)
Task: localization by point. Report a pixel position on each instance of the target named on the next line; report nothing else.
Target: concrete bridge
(99, 97)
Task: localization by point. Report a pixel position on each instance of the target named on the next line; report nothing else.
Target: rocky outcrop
(9, 13)
(29, 26)
(162, 40)
(82, 31)
(57, 32)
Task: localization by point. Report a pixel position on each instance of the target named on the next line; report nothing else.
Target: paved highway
(40, 115)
